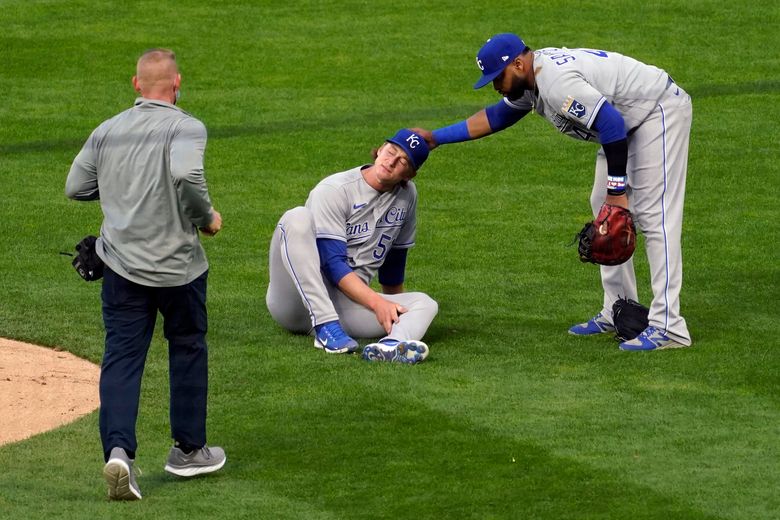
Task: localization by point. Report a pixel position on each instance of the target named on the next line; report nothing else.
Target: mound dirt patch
(42, 388)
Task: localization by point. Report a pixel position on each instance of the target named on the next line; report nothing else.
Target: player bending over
(323, 257)
(641, 118)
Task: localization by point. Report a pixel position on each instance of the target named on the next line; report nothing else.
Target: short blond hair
(156, 70)
(156, 55)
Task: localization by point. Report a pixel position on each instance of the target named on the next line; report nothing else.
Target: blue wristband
(452, 134)
(616, 184)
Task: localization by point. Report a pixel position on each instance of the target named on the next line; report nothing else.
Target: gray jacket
(146, 167)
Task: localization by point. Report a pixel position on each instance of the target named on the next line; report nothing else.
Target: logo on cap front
(413, 141)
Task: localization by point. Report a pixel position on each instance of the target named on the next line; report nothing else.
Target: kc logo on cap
(414, 146)
(496, 54)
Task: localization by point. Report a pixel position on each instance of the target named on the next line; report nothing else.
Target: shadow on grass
(345, 121)
(266, 129)
(387, 457)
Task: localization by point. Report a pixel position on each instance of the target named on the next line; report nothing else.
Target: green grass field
(510, 417)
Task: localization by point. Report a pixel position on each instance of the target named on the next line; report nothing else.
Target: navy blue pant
(129, 314)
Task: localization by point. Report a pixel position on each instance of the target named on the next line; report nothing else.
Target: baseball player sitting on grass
(323, 257)
(641, 118)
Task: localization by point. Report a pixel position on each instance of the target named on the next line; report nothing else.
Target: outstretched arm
(485, 122)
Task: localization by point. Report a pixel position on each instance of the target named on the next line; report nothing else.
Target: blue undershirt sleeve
(392, 271)
(502, 116)
(452, 134)
(333, 259)
(609, 124)
(612, 135)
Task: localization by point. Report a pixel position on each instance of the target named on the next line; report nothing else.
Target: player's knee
(297, 221)
(430, 305)
(289, 317)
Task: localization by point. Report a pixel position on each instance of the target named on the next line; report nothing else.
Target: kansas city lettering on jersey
(362, 230)
(356, 230)
(392, 218)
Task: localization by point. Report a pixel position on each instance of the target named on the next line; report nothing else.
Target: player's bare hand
(216, 224)
(387, 313)
(427, 135)
(618, 200)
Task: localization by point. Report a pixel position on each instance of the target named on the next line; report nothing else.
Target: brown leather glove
(610, 238)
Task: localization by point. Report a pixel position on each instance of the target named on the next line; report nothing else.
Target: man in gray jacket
(145, 165)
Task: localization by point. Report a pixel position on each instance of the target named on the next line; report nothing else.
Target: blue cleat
(651, 339)
(332, 339)
(596, 325)
(392, 351)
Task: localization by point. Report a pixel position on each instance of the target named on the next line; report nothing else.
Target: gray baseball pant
(657, 168)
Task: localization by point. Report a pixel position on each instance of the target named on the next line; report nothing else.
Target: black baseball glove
(629, 318)
(87, 263)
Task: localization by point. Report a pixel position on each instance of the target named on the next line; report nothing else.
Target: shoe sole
(117, 475)
(345, 350)
(373, 355)
(590, 333)
(189, 471)
(417, 348)
(666, 347)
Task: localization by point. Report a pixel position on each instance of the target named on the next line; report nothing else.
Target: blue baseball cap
(413, 144)
(496, 54)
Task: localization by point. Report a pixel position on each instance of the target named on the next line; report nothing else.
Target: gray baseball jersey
(573, 84)
(346, 208)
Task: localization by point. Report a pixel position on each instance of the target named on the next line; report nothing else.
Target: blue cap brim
(487, 78)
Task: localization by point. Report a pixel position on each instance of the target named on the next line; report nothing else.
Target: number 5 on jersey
(381, 248)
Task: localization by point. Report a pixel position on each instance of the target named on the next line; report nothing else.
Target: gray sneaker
(197, 462)
(120, 477)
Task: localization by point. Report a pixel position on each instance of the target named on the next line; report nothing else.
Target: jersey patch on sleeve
(574, 107)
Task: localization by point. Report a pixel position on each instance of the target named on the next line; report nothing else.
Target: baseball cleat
(332, 339)
(196, 462)
(651, 339)
(392, 351)
(120, 477)
(596, 325)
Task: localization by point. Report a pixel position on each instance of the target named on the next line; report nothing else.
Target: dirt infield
(42, 388)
